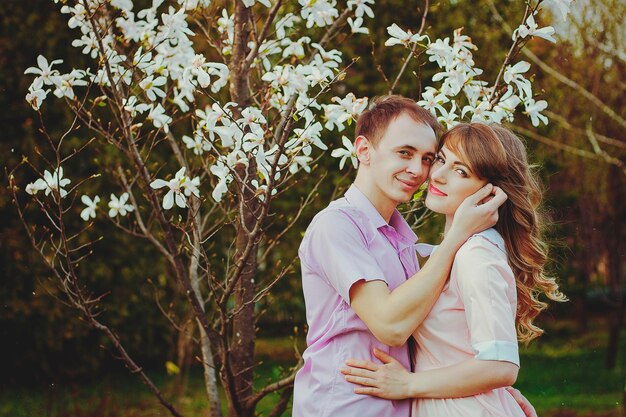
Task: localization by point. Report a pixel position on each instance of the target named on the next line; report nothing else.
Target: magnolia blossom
(318, 12)
(159, 118)
(356, 26)
(345, 153)
(222, 172)
(432, 100)
(198, 143)
(50, 182)
(151, 86)
(513, 74)
(362, 7)
(531, 29)
(400, 37)
(89, 211)
(119, 206)
(177, 189)
(346, 110)
(65, 83)
(533, 109)
(44, 71)
(36, 94)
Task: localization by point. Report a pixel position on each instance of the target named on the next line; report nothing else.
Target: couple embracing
(388, 338)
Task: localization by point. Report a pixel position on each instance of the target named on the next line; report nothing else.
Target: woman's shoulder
(488, 243)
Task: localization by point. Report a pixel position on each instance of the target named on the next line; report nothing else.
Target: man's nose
(437, 174)
(416, 167)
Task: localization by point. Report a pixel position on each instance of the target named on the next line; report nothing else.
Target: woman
(467, 346)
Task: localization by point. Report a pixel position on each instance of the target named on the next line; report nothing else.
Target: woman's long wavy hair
(496, 154)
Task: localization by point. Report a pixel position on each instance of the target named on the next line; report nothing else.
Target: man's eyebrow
(414, 149)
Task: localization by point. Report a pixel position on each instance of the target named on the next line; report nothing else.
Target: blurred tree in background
(581, 150)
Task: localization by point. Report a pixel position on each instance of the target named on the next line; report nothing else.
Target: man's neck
(383, 205)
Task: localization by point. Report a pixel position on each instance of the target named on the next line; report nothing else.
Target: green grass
(562, 377)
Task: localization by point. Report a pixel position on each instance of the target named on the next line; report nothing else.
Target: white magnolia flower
(318, 12)
(131, 106)
(221, 171)
(53, 182)
(198, 143)
(159, 118)
(345, 153)
(531, 29)
(176, 189)
(36, 94)
(533, 109)
(513, 74)
(119, 206)
(151, 86)
(65, 83)
(356, 26)
(441, 52)
(44, 71)
(432, 100)
(90, 210)
(34, 187)
(362, 7)
(400, 37)
(448, 118)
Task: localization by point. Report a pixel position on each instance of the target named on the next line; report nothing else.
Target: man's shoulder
(339, 216)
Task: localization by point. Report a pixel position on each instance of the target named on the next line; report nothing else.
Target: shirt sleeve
(337, 248)
(487, 287)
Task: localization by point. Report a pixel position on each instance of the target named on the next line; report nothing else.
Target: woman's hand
(526, 406)
(389, 380)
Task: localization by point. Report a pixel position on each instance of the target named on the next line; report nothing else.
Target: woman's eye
(462, 172)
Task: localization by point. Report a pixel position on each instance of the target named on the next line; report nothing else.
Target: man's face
(400, 162)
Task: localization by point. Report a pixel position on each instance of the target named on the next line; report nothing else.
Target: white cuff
(497, 350)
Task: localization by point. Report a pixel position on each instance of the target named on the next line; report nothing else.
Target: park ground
(563, 375)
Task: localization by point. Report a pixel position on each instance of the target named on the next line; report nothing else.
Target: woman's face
(451, 181)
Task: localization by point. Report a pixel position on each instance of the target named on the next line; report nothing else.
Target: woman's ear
(362, 147)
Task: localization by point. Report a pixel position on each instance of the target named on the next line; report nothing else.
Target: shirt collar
(356, 198)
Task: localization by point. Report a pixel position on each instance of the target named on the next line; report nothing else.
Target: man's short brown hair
(373, 122)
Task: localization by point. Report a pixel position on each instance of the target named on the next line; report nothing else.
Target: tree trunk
(241, 351)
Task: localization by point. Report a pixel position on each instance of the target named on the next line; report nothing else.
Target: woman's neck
(449, 219)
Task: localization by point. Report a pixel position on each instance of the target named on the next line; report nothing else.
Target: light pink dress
(473, 318)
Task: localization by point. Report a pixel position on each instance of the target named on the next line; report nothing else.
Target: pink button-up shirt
(347, 242)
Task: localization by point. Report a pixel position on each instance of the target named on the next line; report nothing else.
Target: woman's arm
(392, 316)
(392, 381)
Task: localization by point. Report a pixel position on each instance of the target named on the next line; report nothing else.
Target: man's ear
(362, 147)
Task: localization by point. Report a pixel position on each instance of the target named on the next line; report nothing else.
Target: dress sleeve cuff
(497, 350)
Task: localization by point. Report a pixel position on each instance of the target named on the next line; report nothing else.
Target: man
(358, 257)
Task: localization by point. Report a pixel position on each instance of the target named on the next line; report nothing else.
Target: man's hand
(389, 380)
(477, 212)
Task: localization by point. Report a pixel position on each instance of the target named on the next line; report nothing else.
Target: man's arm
(392, 316)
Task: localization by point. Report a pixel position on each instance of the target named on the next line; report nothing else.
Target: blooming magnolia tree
(215, 110)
